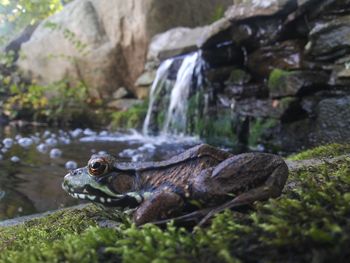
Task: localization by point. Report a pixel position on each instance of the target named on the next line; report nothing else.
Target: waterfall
(157, 86)
(176, 98)
(176, 117)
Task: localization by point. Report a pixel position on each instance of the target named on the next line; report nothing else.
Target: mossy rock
(308, 223)
(325, 151)
(131, 118)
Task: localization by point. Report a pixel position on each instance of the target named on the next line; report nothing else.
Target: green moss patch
(326, 151)
(308, 223)
(131, 118)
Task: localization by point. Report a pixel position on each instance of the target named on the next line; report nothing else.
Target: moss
(325, 151)
(276, 78)
(131, 118)
(308, 223)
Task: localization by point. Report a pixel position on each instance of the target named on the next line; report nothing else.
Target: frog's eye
(98, 167)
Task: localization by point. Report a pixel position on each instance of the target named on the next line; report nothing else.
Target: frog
(200, 178)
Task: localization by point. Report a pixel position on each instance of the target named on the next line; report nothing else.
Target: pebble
(71, 165)
(51, 141)
(43, 148)
(7, 142)
(25, 142)
(76, 133)
(15, 159)
(55, 153)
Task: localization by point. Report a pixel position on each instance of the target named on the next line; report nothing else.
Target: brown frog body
(201, 177)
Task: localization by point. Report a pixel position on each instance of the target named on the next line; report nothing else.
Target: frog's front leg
(158, 206)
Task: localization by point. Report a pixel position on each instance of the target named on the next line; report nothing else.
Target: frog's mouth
(95, 195)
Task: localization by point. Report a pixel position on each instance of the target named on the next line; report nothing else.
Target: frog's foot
(272, 187)
(159, 206)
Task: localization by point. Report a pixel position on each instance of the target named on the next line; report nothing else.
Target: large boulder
(104, 42)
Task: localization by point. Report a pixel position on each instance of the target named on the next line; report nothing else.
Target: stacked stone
(281, 60)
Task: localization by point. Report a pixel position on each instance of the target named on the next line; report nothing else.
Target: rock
(329, 40)
(283, 83)
(224, 55)
(333, 121)
(123, 104)
(146, 79)
(256, 8)
(105, 44)
(238, 77)
(218, 74)
(120, 93)
(15, 44)
(246, 91)
(176, 41)
(287, 55)
(265, 108)
(218, 32)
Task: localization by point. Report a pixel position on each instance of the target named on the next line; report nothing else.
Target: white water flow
(156, 88)
(176, 118)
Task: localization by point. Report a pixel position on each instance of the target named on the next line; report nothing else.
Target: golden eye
(98, 167)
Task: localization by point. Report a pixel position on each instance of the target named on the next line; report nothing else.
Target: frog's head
(97, 182)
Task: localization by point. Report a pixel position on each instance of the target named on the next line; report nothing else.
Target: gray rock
(104, 42)
(120, 93)
(176, 41)
(255, 8)
(218, 32)
(287, 55)
(146, 79)
(283, 84)
(124, 104)
(329, 40)
(265, 108)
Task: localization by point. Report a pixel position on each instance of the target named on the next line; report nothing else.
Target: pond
(33, 162)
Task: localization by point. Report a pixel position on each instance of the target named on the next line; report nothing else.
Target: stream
(34, 161)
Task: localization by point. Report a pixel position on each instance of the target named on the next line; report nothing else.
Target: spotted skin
(203, 176)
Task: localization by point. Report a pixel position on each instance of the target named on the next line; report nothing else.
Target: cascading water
(158, 85)
(175, 99)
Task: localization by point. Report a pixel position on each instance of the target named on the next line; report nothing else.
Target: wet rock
(257, 32)
(218, 74)
(266, 108)
(296, 83)
(224, 55)
(329, 40)
(238, 77)
(333, 120)
(287, 55)
(246, 91)
(218, 32)
(124, 104)
(256, 8)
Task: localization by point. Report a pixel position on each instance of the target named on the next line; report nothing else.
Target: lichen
(308, 223)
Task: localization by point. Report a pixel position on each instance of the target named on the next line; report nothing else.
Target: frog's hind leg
(271, 187)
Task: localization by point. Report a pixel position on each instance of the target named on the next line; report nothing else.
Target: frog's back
(177, 175)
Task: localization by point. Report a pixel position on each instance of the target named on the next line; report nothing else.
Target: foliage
(325, 151)
(16, 14)
(257, 129)
(57, 102)
(131, 118)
